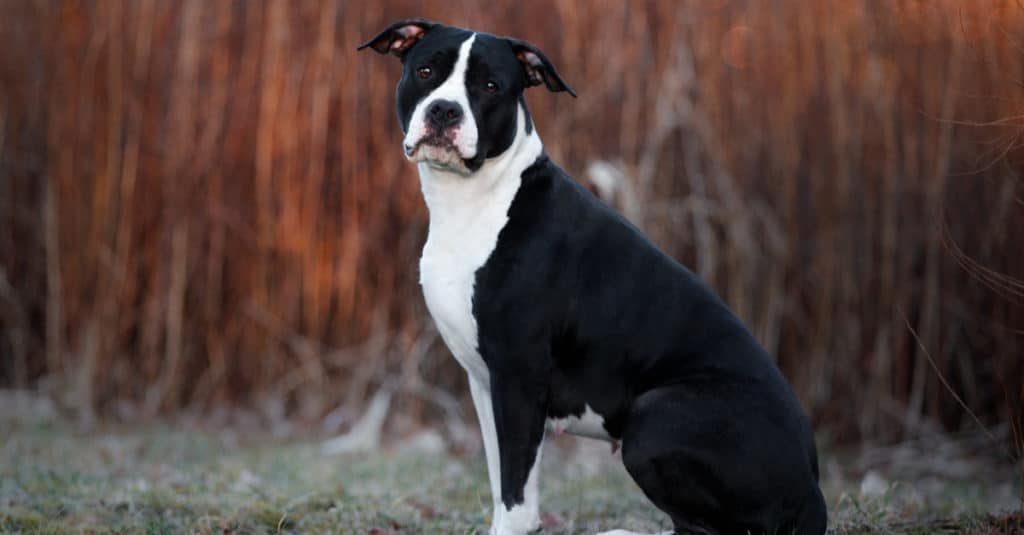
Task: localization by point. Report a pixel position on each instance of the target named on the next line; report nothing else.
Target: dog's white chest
(466, 217)
(447, 282)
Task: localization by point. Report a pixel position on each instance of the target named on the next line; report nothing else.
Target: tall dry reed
(203, 204)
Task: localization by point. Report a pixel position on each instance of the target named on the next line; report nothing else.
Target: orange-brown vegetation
(205, 203)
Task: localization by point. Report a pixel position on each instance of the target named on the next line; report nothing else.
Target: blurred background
(204, 206)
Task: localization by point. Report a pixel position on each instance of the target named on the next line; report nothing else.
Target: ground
(187, 478)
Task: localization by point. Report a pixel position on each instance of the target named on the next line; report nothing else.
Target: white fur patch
(454, 89)
(485, 413)
(466, 215)
(589, 424)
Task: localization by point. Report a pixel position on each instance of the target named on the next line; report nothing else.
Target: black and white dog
(564, 314)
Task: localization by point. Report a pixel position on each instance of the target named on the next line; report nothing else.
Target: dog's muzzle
(438, 145)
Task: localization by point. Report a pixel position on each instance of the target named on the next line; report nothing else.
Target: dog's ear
(537, 67)
(399, 37)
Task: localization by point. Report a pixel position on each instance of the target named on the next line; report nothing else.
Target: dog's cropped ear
(538, 68)
(399, 37)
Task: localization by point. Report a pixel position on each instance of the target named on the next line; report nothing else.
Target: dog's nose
(444, 113)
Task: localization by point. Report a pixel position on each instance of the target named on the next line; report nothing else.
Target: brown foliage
(205, 202)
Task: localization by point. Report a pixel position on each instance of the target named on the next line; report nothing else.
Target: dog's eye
(425, 72)
(492, 87)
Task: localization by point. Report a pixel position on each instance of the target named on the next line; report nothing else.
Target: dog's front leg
(519, 403)
(481, 393)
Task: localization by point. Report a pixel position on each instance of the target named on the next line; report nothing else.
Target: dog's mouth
(439, 151)
(433, 143)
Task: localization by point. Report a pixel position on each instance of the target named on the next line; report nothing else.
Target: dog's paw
(518, 521)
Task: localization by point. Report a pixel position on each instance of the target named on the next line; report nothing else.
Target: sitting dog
(563, 313)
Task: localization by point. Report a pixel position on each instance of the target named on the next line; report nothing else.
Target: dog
(565, 315)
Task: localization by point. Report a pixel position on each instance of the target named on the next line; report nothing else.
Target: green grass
(171, 479)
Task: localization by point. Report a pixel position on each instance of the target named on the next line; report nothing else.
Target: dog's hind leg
(715, 463)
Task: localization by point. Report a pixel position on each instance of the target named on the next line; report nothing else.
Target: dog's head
(459, 91)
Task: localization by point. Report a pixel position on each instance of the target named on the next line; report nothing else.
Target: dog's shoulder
(550, 201)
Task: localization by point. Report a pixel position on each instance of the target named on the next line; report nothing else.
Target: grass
(185, 479)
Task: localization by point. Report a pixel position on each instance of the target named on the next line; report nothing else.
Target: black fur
(575, 307)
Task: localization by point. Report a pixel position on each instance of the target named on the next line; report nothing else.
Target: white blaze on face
(466, 133)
